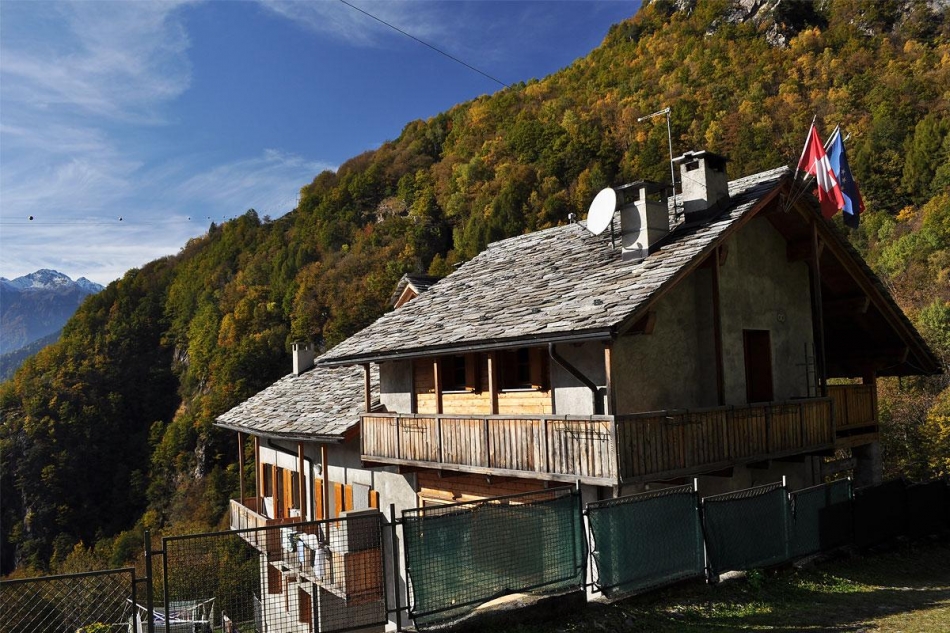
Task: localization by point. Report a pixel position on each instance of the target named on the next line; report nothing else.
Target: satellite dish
(601, 212)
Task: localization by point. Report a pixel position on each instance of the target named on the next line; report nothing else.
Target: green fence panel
(819, 518)
(928, 508)
(746, 529)
(462, 555)
(880, 512)
(646, 540)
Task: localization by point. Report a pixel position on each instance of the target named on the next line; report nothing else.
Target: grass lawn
(905, 588)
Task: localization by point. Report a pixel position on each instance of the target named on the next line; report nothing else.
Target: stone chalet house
(734, 340)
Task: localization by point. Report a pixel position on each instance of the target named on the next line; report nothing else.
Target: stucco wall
(674, 367)
(395, 385)
(761, 290)
(571, 397)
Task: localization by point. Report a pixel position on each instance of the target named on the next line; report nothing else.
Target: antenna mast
(669, 136)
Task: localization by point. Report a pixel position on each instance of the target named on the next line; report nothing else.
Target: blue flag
(853, 204)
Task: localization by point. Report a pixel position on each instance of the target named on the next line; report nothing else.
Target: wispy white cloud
(268, 183)
(78, 81)
(347, 24)
(120, 60)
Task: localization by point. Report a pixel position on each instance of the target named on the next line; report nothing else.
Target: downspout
(279, 449)
(574, 371)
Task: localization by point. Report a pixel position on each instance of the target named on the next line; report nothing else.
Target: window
(268, 480)
(523, 368)
(295, 490)
(460, 372)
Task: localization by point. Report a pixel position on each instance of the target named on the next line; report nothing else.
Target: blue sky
(169, 115)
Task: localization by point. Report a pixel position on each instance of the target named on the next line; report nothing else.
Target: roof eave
(601, 334)
(293, 437)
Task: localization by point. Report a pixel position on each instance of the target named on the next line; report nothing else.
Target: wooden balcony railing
(600, 449)
(245, 515)
(855, 406)
(551, 447)
(668, 444)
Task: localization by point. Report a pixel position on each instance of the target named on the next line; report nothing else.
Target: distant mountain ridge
(46, 279)
(36, 306)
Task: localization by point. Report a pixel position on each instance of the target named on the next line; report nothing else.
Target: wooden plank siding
(601, 450)
(855, 406)
(462, 403)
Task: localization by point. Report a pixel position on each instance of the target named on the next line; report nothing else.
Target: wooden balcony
(353, 575)
(855, 406)
(602, 450)
(246, 514)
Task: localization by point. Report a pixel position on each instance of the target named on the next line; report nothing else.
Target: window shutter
(338, 500)
(318, 498)
(348, 498)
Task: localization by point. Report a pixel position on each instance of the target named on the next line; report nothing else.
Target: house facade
(707, 345)
(732, 337)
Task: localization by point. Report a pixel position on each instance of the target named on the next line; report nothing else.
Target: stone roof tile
(540, 285)
(323, 402)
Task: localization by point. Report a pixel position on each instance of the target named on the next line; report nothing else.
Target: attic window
(460, 372)
(523, 368)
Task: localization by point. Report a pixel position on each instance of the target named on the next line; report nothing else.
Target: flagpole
(804, 149)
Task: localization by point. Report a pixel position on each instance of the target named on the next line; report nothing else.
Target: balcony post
(493, 383)
(258, 470)
(241, 465)
(437, 383)
(301, 483)
(367, 389)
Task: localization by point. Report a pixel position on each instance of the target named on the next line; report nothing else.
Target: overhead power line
(424, 43)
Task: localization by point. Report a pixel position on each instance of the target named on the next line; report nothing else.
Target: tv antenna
(669, 136)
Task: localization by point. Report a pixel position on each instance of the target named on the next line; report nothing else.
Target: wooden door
(758, 365)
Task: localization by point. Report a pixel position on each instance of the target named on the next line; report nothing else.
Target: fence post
(149, 585)
(394, 551)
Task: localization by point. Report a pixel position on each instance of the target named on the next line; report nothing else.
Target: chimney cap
(715, 160)
(649, 185)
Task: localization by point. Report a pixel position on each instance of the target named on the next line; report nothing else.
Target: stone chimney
(303, 357)
(704, 184)
(644, 217)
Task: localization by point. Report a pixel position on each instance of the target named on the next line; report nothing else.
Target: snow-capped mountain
(46, 279)
(37, 305)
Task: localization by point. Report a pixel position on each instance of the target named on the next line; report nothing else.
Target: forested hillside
(110, 431)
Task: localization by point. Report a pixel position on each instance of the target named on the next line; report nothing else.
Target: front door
(758, 365)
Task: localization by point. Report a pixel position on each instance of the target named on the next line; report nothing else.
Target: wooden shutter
(318, 499)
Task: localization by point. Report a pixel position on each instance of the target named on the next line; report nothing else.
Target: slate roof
(418, 283)
(322, 403)
(557, 284)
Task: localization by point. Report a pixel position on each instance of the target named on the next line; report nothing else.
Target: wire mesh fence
(879, 512)
(99, 602)
(746, 529)
(646, 540)
(819, 518)
(461, 555)
(294, 578)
